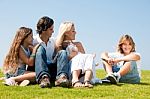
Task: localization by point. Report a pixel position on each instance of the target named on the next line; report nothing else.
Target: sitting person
(19, 57)
(50, 65)
(80, 62)
(122, 66)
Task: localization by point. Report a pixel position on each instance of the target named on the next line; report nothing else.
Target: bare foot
(77, 84)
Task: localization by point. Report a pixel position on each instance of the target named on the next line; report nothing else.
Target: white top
(71, 47)
(50, 47)
(118, 55)
(83, 62)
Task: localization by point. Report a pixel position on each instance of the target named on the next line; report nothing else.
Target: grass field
(103, 91)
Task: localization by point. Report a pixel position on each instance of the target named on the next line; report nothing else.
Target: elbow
(138, 57)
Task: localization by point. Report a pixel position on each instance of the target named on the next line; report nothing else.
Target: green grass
(106, 91)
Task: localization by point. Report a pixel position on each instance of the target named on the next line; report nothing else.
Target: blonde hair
(12, 58)
(122, 40)
(64, 27)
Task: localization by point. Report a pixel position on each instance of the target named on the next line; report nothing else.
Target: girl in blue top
(20, 56)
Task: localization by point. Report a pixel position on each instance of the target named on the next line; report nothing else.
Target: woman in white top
(20, 56)
(122, 66)
(80, 62)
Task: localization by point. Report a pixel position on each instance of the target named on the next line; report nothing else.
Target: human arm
(28, 60)
(129, 57)
(77, 47)
(105, 58)
(80, 47)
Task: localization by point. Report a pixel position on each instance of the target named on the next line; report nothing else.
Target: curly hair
(43, 24)
(12, 58)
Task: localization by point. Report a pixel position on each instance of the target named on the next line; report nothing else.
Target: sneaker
(113, 78)
(45, 82)
(118, 76)
(106, 80)
(24, 83)
(10, 82)
(62, 81)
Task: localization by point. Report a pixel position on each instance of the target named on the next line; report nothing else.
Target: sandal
(88, 84)
(77, 84)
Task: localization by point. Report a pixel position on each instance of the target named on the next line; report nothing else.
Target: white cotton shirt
(50, 47)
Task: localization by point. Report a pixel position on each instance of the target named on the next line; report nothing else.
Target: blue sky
(99, 23)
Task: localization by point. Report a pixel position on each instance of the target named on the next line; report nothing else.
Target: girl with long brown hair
(20, 56)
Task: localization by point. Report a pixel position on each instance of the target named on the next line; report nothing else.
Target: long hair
(64, 27)
(122, 40)
(11, 61)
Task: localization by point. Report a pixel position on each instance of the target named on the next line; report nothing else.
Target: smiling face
(126, 47)
(28, 40)
(70, 35)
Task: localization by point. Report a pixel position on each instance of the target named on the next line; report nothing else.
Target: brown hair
(12, 58)
(44, 23)
(122, 40)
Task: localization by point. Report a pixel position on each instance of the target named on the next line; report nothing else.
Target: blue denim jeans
(52, 70)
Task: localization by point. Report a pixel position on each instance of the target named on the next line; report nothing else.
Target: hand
(35, 48)
(31, 48)
(72, 54)
(116, 60)
(110, 61)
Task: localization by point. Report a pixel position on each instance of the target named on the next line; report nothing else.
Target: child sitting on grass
(19, 57)
(122, 66)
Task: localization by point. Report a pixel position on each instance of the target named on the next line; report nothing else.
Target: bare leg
(27, 76)
(125, 69)
(107, 67)
(87, 78)
(88, 75)
(75, 78)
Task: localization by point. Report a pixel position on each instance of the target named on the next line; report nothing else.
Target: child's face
(126, 47)
(28, 40)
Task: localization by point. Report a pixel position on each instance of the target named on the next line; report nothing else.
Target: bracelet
(32, 55)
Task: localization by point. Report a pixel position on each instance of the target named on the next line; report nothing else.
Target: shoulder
(52, 40)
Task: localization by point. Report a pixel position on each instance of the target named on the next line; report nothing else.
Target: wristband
(32, 55)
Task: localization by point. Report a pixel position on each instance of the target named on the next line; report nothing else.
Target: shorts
(20, 71)
(132, 76)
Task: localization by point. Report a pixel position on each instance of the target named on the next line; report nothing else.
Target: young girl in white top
(123, 65)
(20, 56)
